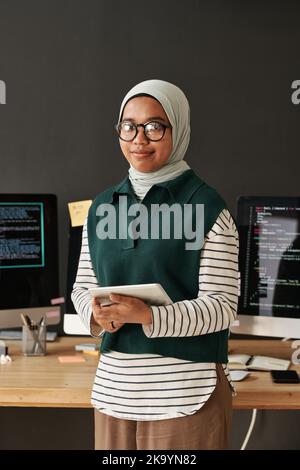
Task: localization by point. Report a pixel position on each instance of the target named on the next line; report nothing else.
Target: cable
(249, 432)
(253, 419)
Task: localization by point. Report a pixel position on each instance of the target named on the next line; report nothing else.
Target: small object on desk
(5, 359)
(91, 353)
(71, 359)
(33, 337)
(238, 361)
(3, 348)
(238, 375)
(245, 361)
(285, 376)
(87, 347)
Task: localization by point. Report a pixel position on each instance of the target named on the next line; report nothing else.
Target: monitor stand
(10, 318)
(259, 325)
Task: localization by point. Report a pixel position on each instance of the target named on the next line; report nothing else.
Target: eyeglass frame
(165, 126)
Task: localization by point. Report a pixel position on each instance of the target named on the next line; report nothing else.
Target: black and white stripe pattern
(152, 387)
(216, 306)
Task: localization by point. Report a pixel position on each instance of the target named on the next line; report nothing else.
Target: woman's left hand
(126, 310)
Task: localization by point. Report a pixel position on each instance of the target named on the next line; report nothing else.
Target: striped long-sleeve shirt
(153, 387)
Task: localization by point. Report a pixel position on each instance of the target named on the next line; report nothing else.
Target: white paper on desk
(268, 363)
(238, 361)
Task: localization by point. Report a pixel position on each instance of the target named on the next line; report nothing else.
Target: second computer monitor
(269, 229)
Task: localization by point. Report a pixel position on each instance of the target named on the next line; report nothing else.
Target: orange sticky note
(71, 359)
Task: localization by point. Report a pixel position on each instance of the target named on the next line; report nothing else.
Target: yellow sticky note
(78, 212)
(91, 353)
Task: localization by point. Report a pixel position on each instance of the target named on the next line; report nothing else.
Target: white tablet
(152, 294)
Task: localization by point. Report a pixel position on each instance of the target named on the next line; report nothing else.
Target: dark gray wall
(67, 65)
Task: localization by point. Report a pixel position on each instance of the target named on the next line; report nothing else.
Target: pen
(37, 334)
(25, 320)
(29, 321)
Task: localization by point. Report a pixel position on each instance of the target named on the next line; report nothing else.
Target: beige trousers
(209, 428)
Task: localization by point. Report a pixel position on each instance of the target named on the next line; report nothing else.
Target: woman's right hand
(111, 327)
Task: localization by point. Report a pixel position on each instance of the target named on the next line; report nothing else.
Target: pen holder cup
(34, 340)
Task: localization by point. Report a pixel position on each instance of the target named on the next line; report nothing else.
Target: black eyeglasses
(153, 130)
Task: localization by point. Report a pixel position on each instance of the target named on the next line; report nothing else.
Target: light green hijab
(176, 107)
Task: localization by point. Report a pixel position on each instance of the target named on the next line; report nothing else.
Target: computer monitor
(269, 230)
(29, 277)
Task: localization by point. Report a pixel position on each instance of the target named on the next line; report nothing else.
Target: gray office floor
(69, 429)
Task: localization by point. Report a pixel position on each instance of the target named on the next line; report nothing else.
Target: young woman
(162, 380)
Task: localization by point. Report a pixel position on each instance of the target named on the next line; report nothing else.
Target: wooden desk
(258, 390)
(45, 382)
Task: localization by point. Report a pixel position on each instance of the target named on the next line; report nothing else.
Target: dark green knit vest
(122, 261)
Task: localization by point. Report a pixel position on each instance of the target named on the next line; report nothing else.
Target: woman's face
(143, 154)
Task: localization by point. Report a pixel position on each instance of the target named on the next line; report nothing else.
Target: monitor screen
(22, 237)
(28, 251)
(269, 229)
